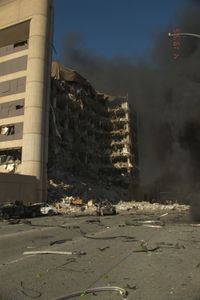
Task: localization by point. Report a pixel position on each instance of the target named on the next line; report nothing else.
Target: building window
(7, 130)
(20, 44)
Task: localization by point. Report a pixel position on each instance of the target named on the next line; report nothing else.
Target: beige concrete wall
(15, 11)
(38, 13)
(18, 187)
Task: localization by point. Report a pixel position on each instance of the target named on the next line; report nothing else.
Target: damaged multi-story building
(92, 135)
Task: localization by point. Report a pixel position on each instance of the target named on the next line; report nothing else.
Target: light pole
(184, 33)
(176, 43)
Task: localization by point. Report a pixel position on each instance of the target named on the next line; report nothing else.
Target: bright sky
(115, 27)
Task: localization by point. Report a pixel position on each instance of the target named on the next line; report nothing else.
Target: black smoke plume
(166, 94)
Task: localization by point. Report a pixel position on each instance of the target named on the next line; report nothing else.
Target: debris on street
(131, 287)
(103, 248)
(106, 209)
(132, 238)
(150, 207)
(60, 241)
(152, 226)
(119, 290)
(145, 223)
(170, 245)
(144, 247)
(93, 221)
(147, 250)
(195, 225)
(76, 207)
(164, 215)
(28, 292)
(54, 252)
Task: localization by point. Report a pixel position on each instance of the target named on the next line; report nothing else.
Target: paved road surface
(170, 272)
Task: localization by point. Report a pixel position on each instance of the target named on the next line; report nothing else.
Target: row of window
(16, 47)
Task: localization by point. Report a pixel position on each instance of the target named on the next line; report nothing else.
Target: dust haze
(164, 91)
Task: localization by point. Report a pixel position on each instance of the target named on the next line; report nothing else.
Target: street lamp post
(176, 43)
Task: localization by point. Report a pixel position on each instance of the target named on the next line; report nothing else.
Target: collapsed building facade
(93, 136)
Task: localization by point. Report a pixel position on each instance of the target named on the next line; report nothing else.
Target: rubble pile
(60, 190)
(93, 137)
(147, 206)
(75, 206)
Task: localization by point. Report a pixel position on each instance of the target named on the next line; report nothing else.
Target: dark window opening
(19, 106)
(7, 130)
(10, 156)
(20, 44)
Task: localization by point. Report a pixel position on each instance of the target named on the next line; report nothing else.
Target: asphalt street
(151, 261)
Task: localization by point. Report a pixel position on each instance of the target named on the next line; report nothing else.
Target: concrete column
(33, 150)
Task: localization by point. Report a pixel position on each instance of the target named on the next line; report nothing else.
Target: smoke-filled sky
(127, 50)
(115, 27)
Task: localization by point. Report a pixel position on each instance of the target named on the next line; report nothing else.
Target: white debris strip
(146, 206)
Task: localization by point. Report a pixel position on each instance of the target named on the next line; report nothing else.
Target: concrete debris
(195, 225)
(164, 215)
(131, 287)
(75, 207)
(144, 247)
(77, 201)
(148, 207)
(152, 226)
(106, 209)
(66, 188)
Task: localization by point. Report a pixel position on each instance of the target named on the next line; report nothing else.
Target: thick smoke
(166, 94)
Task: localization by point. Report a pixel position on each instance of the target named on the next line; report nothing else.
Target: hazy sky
(115, 27)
